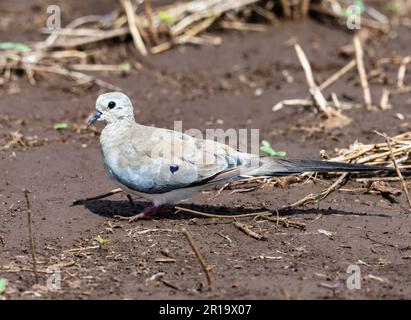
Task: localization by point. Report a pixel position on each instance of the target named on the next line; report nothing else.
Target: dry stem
(359, 55)
(104, 195)
(30, 234)
(132, 24)
(246, 229)
(314, 89)
(207, 268)
(403, 184)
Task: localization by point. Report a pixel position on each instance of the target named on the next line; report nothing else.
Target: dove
(166, 166)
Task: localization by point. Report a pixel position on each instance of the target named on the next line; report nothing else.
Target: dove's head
(112, 107)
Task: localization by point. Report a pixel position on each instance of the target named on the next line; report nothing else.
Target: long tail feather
(288, 166)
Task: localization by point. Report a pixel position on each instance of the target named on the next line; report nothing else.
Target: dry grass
(69, 51)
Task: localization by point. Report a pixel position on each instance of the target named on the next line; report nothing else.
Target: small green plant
(266, 147)
(61, 126)
(14, 46)
(360, 7)
(3, 285)
(102, 241)
(166, 17)
(125, 66)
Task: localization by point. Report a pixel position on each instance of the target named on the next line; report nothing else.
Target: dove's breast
(128, 169)
(127, 161)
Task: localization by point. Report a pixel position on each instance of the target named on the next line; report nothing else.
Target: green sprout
(14, 46)
(3, 285)
(60, 126)
(360, 7)
(166, 17)
(124, 67)
(102, 241)
(266, 147)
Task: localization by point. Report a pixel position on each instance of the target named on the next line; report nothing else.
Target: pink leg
(147, 213)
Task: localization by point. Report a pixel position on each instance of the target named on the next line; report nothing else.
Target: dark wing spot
(173, 168)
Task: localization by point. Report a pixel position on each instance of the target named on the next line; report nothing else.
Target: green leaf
(166, 17)
(102, 241)
(360, 9)
(14, 46)
(125, 66)
(3, 285)
(266, 147)
(360, 5)
(60, 126)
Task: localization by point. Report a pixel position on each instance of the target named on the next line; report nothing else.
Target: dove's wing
(154, 160)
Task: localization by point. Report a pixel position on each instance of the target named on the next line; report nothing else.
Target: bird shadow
(121, 208)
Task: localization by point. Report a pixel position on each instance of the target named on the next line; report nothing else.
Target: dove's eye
(111, 105)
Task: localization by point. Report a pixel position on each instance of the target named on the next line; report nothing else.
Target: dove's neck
(117, 132)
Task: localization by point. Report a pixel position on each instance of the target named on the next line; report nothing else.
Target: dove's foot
(147, 213)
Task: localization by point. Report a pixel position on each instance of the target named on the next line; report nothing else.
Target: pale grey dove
(166, 166)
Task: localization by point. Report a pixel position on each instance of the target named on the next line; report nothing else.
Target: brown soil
(199, 85)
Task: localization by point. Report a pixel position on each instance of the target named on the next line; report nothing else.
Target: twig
(101, 196)
(169, 284)
(285, 4)
(81, 249)
(305, 6)
(317, 197)
(207, 268)
(397, 169)
(270, 16)
(31, 240)
(156, 230)
(165, 260)
(130, 199)
(364, 21)
(72, 43)
(18, 269)
(315, 91)
(132, 24)
(359, 55)
(367, 236)
(100, 67)
(82, 32)
(237, 25)
(80, 77)
(401, 71)
(292, 102)
(72, 25)
(149, 14)
(373, 179)
(246, 229)
(385, 96)
(210, 215)
(337, 75)
(285, 222)
(186, 37)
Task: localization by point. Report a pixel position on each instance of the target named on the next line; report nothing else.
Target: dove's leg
(130, 199)
(147, 212)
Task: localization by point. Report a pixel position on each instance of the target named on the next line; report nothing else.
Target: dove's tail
(271, 166)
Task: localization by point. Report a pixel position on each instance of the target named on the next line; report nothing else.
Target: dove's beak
(94, 118)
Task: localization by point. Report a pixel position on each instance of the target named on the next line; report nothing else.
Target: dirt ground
(205, 87)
